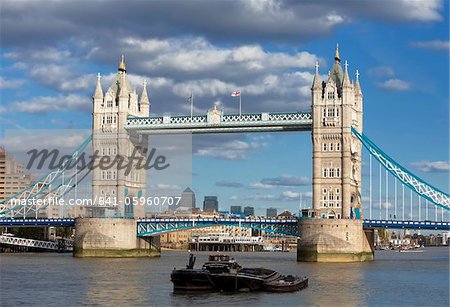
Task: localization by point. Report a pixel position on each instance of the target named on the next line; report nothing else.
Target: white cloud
(165, 187)
(187, 55)
(174, 67)
(10, 83)
(61, 77)
(432, 166)
(261, 197)
(381, 71)
(65, 140)
(290, 195)
(40, 55)
(229, 184)
(38, 23)
(421, 10)
(395, 84)
(284, 196)
(230, 150)
(259, 185)
(438, 45)
(288, 181)
(44, 104)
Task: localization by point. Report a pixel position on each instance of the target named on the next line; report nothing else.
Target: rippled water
(394, 279)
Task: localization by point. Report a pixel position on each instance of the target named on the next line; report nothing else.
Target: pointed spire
(317, 82)
(123, 88)
(336, 54)
(346, 81)
(144, 95)
(122, 66)
(357, 85)
(98, 94)
(144, 103)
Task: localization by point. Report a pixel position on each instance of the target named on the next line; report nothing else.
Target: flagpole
(192, 104)
(240, 105)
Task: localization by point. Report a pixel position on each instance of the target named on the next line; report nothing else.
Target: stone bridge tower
(335, 233)
(114, 187)
(336, 108)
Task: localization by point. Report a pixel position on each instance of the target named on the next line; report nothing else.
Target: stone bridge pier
(112, 237)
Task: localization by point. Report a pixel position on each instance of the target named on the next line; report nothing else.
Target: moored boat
(190, 278)
(286, 284)
(411, 251)
(220, 273)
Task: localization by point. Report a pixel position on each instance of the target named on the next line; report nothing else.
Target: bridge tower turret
(338, 234)
(336, 108)
(113, 188)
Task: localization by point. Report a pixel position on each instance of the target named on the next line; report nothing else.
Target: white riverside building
(225, 242)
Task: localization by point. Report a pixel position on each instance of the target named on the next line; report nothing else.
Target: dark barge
(220, 273)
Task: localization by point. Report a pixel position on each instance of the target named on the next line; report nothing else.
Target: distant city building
(249, 211)
(236, 209)
(286, 215)
(271, 212)
(14, 179)
(445, 238)
(210, 204)
(187, 199)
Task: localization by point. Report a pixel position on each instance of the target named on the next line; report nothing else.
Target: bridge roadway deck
(368, 223)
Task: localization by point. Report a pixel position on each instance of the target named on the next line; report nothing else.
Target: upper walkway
(216, 122)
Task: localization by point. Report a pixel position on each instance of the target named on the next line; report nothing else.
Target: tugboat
(220, 273)
(190, 278)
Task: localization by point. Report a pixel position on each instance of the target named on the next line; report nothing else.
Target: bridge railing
(225, 118)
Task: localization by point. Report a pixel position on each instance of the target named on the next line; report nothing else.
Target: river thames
(394, 279)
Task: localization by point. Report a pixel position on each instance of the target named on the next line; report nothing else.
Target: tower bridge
(332, 229)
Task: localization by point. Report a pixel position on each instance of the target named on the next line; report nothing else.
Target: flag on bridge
(190, 97)
(237, 94)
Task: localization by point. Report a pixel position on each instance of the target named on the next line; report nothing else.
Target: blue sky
(51, 52)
